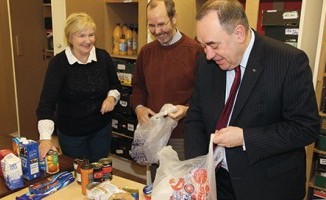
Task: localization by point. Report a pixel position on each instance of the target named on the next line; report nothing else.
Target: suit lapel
(254, 69)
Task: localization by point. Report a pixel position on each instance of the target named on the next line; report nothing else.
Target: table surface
(66, 164)
(73, 190)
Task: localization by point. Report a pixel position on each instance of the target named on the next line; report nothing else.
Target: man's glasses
(153, 27)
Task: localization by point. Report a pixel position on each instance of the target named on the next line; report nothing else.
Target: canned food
(106, 168)
(148, 191)
(97, 172)
(52, 162)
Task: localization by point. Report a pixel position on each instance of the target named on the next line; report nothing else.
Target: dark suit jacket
(277, 110)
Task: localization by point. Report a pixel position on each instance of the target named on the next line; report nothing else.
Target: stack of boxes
(124, 120)
(320, 175)
(282, 25)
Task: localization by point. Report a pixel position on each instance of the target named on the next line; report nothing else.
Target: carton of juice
(28, 151)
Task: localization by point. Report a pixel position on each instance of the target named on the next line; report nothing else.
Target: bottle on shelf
(123, 45)
(135, 40)
(117, 33)
(124, 29)
(129, 40)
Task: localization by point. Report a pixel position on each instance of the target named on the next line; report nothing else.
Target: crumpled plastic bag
(151, 137)
(187, 179)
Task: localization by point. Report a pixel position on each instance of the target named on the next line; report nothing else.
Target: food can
(52, 162)
(97, 172)
(106, 168)
(147, 190)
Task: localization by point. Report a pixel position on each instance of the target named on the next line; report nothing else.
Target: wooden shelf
(121, 1)
(133, 57)
(312, 185)
(319, 151)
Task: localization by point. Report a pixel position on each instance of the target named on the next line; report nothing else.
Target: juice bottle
(124, 29)
(117, 33)
(135, 40)
(129, 40)
(123, 45)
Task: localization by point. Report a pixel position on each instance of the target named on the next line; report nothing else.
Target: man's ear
(240, 33)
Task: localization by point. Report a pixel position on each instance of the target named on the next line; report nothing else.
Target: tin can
(97, 172)
(52, 162)
(147, 190)
(106, 168)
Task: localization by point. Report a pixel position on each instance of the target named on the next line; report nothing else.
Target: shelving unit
(48, 39)
(125, 11)
(320, 84)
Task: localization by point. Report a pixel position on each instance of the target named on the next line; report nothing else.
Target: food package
(48, 186)
(12, 171)
(3, 153)
(29, 155)
(104, 190)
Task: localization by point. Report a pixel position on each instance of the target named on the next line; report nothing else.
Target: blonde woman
(81, 86)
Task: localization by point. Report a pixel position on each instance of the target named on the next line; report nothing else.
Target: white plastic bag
(188, 179)
(151, 137)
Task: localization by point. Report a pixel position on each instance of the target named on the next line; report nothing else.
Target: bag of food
(188, 179)
(151, 137)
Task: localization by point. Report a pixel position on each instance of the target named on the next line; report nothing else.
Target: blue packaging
(29, 155)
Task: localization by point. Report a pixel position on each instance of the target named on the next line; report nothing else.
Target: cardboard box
(282, 25)
(124, 124)
(125, 69)
(121, 146)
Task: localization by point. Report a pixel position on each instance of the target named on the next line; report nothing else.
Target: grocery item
(52, 162)
(106, 168)
(12, 171)
(123, 45)
(117, 33)
(97, 171)
(129, 40)
(86, 175)
(29, 155)
(48, 186)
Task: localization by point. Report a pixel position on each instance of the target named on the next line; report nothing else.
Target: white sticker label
(121, 67)
(322, 161)
(115, 123)
(123, 103)
(291, 31)
(131, 127)
(291, 15)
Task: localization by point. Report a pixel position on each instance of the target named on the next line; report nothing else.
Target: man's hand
(44, 147)
(229, 137)
(180, 113)
(107, 105)
(143, 114)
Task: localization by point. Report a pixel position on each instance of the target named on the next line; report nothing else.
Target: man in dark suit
(274, 115)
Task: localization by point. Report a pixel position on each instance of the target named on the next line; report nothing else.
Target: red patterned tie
(224, 118)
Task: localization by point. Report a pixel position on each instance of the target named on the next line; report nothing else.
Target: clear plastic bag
(188, 179)
(151, 137)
